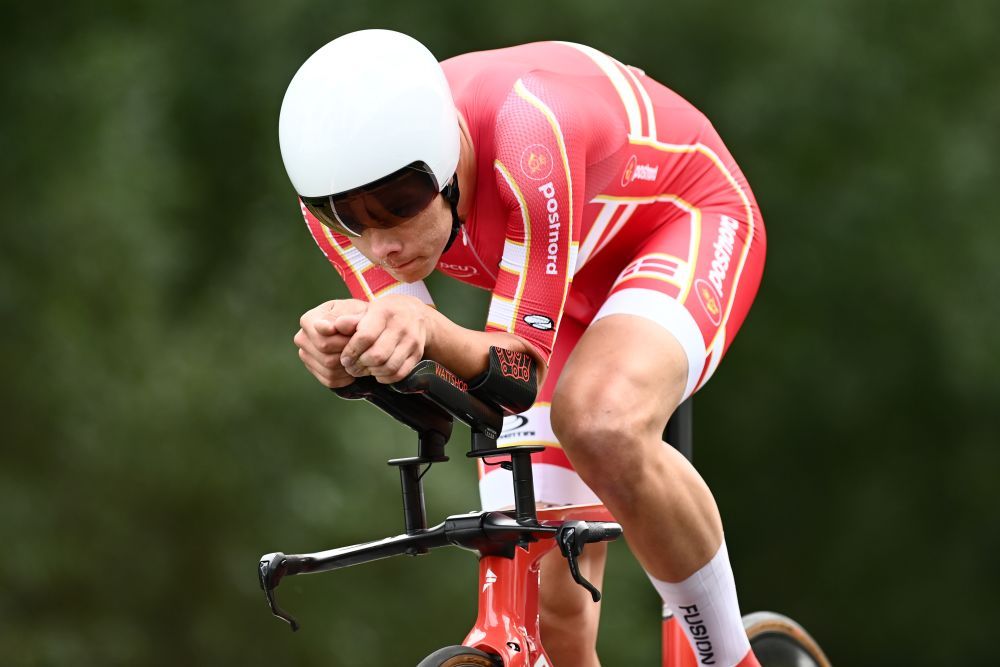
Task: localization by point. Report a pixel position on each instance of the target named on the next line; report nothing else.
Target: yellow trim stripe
(384, 290)
(637, 269)
(644, 199)
(343, 255)
(517, 443)
(666, 256)
(501, 306)
(531, 99)
(703, 150)
(653, 276)
(526, 221)
(685, 206)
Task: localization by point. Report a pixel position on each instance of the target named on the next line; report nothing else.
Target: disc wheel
(778, 641)
(460, 656)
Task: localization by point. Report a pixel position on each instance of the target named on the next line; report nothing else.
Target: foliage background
(159, 434)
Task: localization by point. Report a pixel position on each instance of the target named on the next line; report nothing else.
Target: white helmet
(367, 105)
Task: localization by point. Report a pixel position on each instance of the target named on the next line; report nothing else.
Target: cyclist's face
(409, 251)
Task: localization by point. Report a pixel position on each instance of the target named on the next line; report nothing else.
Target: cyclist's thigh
(696, 277)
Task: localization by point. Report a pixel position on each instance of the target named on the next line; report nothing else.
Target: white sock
(706, 607)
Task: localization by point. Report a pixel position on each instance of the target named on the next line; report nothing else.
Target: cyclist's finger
(370, 327)
(319, 321)
(399, 364)
(325, 326)
(328, 376)
(305, 343)
(316, 327)
(347, 307)
(347, 324)
(382, 349)
(319, 345)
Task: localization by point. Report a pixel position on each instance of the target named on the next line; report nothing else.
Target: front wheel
(460, 656)
(778, 641)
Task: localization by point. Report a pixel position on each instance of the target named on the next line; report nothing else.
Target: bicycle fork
(507, 623)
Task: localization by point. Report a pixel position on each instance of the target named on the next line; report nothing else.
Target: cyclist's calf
(569, 617)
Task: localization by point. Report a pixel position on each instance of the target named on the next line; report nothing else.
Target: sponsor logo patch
(450, 377)
(638, 172)
(514, 422)
(458, 270)
(514, 428)
(698, 632)
(552, 206)
(539, 322)
(709, 302)
(723, 246)
(536, 162)
(515, 365)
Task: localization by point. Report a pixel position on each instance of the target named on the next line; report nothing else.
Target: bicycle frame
(676, 649)
(510, 544)
(507, 621)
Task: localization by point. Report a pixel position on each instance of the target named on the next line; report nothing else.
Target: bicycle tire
(778, 641)
(460, 656)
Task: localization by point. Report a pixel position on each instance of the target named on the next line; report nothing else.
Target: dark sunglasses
(382, 204)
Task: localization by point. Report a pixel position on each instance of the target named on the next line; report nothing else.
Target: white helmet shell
(362, 107)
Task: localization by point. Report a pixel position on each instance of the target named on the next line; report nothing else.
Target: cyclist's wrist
(436, 328)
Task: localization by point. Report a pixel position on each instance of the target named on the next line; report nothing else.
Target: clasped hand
(345, 339)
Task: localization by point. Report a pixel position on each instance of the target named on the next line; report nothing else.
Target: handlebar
(427, 400)
(488, 533)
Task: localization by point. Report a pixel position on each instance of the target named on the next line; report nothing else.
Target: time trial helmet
(368, 131)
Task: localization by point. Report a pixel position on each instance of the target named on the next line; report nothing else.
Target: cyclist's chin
(413, 271)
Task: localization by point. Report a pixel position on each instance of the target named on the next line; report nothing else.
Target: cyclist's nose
(384, 243)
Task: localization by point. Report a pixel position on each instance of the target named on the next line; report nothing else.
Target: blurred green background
(159, 433)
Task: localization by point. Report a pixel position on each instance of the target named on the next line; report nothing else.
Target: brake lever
(272, 568)
(571, 538)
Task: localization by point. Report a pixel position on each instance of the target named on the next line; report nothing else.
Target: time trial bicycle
(510, 544)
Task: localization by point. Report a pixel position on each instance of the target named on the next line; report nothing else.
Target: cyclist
(622, 247)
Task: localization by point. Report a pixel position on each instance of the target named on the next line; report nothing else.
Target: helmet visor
(382, 204)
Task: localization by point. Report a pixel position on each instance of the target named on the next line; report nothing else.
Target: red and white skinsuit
(599, 191)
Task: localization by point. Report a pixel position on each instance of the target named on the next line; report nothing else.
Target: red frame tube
(507, 623)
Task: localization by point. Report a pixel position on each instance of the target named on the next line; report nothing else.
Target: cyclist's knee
(570, 639)
(603, 427)
(572, 610)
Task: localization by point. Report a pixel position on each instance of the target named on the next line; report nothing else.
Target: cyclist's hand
(325, 331)
(389, 340)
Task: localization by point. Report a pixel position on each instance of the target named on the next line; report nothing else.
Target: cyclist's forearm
(466, 352)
